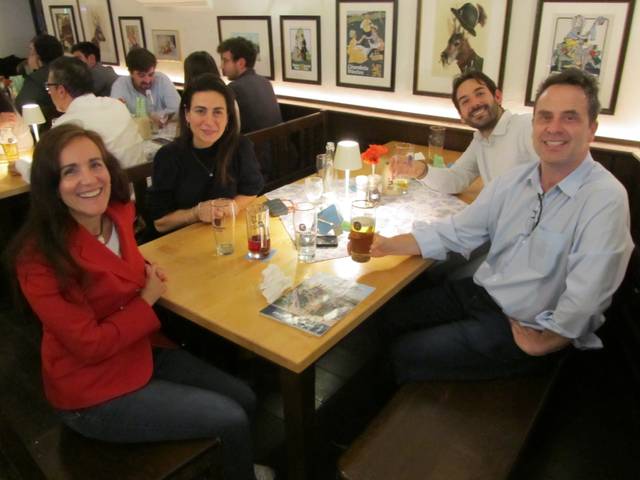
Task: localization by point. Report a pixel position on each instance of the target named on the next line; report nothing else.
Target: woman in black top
(208, 160)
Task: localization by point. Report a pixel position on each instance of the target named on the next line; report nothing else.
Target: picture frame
(366, 32)
(166, 45)
(97, 27)
(63, 23)
(453, 36)
(300, 49)
(590, 35)
(254, 28)
(132, 33)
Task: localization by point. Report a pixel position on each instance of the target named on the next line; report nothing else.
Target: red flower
(373, 153)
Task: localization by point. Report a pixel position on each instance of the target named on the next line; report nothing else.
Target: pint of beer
(363, 226)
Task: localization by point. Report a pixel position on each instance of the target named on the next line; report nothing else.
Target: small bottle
(374, 188)
(362, 187)
(328, 168)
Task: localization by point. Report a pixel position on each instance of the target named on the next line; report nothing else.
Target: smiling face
(143, 80)
(478, 107)
(562, 130)
(207, 117)
(85, 183)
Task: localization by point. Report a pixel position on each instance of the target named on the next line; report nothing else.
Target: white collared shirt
(508, 145)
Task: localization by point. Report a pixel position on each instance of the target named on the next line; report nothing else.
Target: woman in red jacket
(82, 274)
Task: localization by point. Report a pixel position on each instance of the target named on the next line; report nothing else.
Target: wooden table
(222, 295)
(10, 185)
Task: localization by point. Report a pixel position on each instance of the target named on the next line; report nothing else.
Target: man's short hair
(47, 47)
(240, 47)
(87, 48)
(140, 59)
(577, 78)
(73, 74)
(471, 75)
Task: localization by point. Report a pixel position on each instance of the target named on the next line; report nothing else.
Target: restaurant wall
(198, 30)
(16, 28)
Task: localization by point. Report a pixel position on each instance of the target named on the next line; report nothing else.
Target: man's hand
(8, 119)
(399, 245)
(536, 342)
(413, 169)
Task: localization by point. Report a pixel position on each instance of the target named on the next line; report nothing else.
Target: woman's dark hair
(198, 63)
(47, 47)
(228, 142)
(6, 105)
(49, 223)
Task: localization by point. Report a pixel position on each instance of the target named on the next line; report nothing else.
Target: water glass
(258, 235)
(223, 221)
(305, 226)
(436, 142)
(313, 188)
(321, 161)
(363, 226)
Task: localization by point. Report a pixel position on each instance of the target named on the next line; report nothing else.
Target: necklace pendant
(210, 175)
(100, 238)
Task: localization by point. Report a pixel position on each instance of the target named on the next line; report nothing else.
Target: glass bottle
(329, 174)
(142, 118)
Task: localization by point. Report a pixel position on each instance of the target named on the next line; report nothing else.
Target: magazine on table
(318, 303)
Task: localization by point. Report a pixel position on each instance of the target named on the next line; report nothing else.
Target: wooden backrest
(287, 151)
(139, 176)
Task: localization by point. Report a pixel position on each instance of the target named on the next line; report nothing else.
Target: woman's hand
(204, 211)
(155, 286)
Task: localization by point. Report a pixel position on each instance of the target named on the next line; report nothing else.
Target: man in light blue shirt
(144, 82)
(560, 244)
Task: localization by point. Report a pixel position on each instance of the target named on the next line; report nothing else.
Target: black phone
(277, 207)
(326, 241)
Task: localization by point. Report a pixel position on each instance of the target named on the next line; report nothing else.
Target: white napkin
(274, 283)
(419, 156)
(23, 166)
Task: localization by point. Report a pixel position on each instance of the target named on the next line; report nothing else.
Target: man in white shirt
(560, 244)
(144, 82)
(502, 139)
(70, 86)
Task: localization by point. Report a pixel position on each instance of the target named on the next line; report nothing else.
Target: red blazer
(96, 341)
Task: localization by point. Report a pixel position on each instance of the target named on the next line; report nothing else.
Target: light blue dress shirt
(556, 258)
(165, 95)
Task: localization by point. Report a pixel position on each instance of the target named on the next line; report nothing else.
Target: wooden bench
(448, 431)
(34, 443)
(287, 152)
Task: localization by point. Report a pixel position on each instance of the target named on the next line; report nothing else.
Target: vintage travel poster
(365, 43)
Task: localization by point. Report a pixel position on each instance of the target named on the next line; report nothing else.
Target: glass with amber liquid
(9, 144)
(363, 226)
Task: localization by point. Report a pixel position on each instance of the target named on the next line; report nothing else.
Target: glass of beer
(9, 144)
(403, 158)
(363, 226)
(223, 221)
(258, 236)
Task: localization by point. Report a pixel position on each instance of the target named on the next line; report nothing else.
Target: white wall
(199, 31)
(16, 28)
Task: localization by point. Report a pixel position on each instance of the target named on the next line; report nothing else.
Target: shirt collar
(501, 127)
(570, 184)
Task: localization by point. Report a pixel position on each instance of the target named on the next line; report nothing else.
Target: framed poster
(300, 45)
(166, 45)
(132, 33)
(366, 42)
(97, 28)
(63, 21)
(255, 29)
(589, 35)
(454, 36)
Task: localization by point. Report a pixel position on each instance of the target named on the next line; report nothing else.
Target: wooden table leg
(298, 397)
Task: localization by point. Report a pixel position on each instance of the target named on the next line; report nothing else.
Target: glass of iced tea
(363, 226)
(258, 237)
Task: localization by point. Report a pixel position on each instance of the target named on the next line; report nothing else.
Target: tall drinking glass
(305, 225)
(313, 188)
(258, 235)
(363, 226)
(223, 221)
(403, 153)
(436, 142)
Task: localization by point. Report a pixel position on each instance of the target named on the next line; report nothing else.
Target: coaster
(265, 259)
